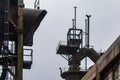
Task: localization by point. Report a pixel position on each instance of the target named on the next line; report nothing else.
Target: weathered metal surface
(109, 55)
(32, 19)
(112, 52)
(19, 42)
(90, 75)
(22, 26)
(12, 13)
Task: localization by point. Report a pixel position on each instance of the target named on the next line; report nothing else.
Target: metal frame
(77, 37)
(28, 55)
(12, 61)
(19, 73)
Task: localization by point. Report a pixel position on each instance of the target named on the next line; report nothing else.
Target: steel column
(88, 19)
(20, 41)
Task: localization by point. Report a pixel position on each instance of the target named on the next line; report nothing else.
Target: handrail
(28, 54)
(61, 43)
(65, 69)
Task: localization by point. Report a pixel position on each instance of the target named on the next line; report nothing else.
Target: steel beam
(20, 41)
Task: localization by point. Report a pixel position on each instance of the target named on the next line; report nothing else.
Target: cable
(37, 4)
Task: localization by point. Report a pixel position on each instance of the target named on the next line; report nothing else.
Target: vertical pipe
(74, 30)
(73, 20)
(20, 41)
(75, 17)
(86, 33)
(88, 19)
(81, 38)
(86, 63)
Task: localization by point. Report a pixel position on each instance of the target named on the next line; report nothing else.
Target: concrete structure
(108, 65)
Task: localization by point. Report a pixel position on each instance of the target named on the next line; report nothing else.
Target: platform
(66, 50)
(73, 74)
(12, 59)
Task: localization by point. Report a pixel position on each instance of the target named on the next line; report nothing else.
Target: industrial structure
(17, 27)
(108, 66)
(74, 52)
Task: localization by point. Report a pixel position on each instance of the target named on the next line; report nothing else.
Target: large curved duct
(85, 52)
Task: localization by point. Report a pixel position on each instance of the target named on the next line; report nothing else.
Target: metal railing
(65, 69)
(28, 55)
(64, 43)
(61, 43)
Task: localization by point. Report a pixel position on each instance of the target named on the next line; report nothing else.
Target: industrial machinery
(74, 52)
(17, 27)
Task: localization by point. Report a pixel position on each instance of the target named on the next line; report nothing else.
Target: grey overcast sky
(104, 29)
